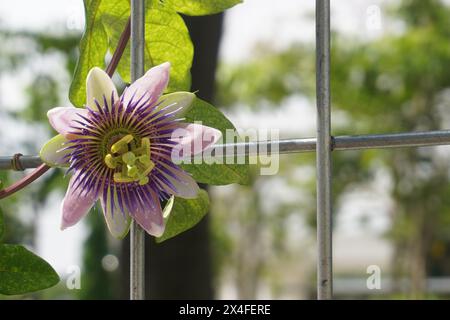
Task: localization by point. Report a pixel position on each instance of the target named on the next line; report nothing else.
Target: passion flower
(119, 150)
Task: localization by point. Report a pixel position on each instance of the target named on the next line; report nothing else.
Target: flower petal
(76, 203)
(99, 85)
(178, 101)
(183, 186)
(62, 118)
(149, 217)
(192, 139)
(152, 84)
(118, 222)
(52, 154)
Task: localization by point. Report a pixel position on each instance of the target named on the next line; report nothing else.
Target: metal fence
(324, 144)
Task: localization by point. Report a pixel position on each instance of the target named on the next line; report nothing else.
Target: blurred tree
(396, 83)
(97, 283)
(400, 83)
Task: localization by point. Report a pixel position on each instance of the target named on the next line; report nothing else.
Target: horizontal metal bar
(26, 162)
(286, 146)
(341, 143)
(394, 140)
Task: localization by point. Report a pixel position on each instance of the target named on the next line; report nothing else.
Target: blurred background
(391, 207)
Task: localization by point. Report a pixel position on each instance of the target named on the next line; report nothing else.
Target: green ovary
(131, 160)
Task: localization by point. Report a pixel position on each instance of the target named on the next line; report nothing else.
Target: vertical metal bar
(137, 234)
(323, 148)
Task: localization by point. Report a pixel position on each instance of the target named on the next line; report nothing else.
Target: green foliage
(22, 271)
(269, 77)
(383, 78)
(185, 214)
(429, 13)
(216, 173)
(201, 7)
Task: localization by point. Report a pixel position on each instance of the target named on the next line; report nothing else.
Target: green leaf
(216, 173)
(93, 48)
(185, 214)
(166, 39)
(201, 7)
(22, 271)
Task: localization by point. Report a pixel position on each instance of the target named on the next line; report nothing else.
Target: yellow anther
(124, 170)
(110, 161)
(145, 145)
(119, 148)
(127, 151)
(119, 178)
(145, 160)
(132, 171)
(121, 145)
(143, 180)
(129, 158)
(148, 168)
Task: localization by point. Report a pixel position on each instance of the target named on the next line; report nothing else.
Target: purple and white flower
(119, 150)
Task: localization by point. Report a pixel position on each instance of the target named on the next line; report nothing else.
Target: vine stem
(22, 183)
(123, 41)
(43, 168)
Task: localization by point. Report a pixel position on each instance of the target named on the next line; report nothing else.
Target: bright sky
(278, 22)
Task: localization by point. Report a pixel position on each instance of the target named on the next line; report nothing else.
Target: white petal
(192, 139)
(185, 186)
(63, 118)
(150, 86)
(118, 222)
(99, 85)
(150, 218)
(76, 203)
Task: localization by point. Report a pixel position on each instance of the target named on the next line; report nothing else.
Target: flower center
(131, 160)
